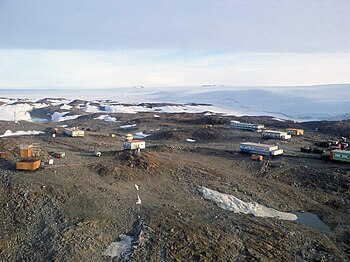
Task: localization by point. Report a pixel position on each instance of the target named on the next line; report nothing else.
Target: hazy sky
(173, 42)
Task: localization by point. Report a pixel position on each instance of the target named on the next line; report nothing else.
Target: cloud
(232, 25)
(129, 67)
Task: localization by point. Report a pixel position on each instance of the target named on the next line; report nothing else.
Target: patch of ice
(122, 248)
(21, 133)
(65, 107)
(156, 116)
(278, 119)
(91, 109)
(40, 105)
(59, 117)
(127, 126)
(140, 135)
(107, 118)
(190, 140)
(137, 187)
(231, 203)
(126, 245)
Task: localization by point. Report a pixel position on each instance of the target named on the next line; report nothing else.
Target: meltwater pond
(311, 220)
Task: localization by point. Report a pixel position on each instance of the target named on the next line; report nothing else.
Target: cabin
(73, 132)
(295, 131)
(246, 126)
(276, 134)
(260, 149)
(340, 155)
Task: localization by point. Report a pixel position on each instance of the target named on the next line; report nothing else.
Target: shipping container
(295, 131)
(340, 155)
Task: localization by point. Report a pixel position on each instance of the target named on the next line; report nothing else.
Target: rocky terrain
(76, 208)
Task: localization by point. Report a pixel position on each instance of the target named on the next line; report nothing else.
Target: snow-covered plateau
(302, 103)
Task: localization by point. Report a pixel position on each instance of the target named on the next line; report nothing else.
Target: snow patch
(15, 112)
(140, 135)
(122, 248)
(59, 117)
(138, 200)
(21, 133)
(278, 119)
(231, 203)
(107, 118)
(190, 140)
(65, 107)
(127, 126)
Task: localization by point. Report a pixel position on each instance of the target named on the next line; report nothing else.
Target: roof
(239, 123)
(274, 131)
(257, 144)
(346, 152)
(72, 129)
(135, 141)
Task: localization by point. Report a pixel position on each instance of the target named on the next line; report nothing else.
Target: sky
(111, 43)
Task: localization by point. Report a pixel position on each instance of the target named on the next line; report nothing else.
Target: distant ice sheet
(236, 205)
(303, 103)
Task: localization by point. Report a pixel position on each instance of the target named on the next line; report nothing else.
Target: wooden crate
(28, 165)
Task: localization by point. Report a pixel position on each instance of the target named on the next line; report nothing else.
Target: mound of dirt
(208, 120)
(145, 160)
(125, 159)
(176, 135)
(206, 134)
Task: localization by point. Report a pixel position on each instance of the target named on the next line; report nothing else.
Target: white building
(276, 134)
(73, 132)
(134, 145)
(260, 149)
(247, 126)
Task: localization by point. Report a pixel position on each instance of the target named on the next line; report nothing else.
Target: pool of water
(311, 220)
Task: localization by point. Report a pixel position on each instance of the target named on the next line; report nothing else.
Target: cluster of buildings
(264, 149)
(258, 149)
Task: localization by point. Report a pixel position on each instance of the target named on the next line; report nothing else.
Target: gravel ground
(74, 209)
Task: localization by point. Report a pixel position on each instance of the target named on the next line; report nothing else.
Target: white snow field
(301, 103)
(231, 203)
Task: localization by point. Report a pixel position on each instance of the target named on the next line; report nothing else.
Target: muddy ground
(72, 210)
